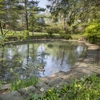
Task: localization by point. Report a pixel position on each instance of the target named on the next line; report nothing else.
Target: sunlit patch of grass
(76, 36)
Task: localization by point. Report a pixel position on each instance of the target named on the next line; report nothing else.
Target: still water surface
(38, 58)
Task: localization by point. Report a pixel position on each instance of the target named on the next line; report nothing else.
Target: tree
(13, 13)
(73, 11)
(35, 19)
(30, 9)
(8, 15)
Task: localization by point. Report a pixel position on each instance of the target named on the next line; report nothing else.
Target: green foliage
(74, 15)
(2, 39)
(52, 30)
(0, 3)
(67, 36)
(63, 34)
(25, 34)
(92, 32)
(55, 29)
(18, 84)
(76, 36)
(88, 88)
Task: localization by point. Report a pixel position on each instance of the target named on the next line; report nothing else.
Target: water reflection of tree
(31, 59)
(50, 45)
(72, 54)
(67, 52)
(14, 57)
(5, 64)
(2, 64)
(62, 52)
(42, 56)
(27, 53)
(11, 65)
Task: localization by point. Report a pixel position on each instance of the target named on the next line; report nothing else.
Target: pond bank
(85, 66)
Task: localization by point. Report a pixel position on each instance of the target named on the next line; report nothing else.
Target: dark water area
(40, 59)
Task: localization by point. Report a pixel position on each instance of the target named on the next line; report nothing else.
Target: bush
(67, 36)
(64, 35)
(62, 32)
(92, 32)
(55, 29)
(50, 32)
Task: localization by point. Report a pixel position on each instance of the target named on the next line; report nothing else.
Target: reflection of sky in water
(26, 59)
(53, 66)
(80, 49)
(41, 48)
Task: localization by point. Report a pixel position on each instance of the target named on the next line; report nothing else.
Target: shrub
(67, 36)
(50, 32)
(62, 32)
(64, 35)
(55, 29)
(92, 32)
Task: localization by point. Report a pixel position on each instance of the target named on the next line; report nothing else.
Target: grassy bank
(88, 88)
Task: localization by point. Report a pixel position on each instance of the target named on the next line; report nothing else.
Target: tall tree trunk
(26, 16)
(64, 23)
(1, 29)
(27, 54)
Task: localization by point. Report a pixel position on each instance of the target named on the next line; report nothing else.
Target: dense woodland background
(62, 17)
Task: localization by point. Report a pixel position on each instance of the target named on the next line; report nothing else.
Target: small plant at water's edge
(18, 83)
(88, 88)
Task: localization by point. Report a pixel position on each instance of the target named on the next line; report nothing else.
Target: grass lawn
(24, 34)
(76, 36)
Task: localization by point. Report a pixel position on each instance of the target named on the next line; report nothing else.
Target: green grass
(88, 88)
(18, 84)
(21, 33)
(76, 36)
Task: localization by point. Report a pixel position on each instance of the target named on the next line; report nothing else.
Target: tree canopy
(18, 14)
(75, 11)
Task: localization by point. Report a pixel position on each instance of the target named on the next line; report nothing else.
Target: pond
(42, 58)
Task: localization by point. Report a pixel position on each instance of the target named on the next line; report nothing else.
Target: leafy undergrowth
(18, 84)
(88, 88)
